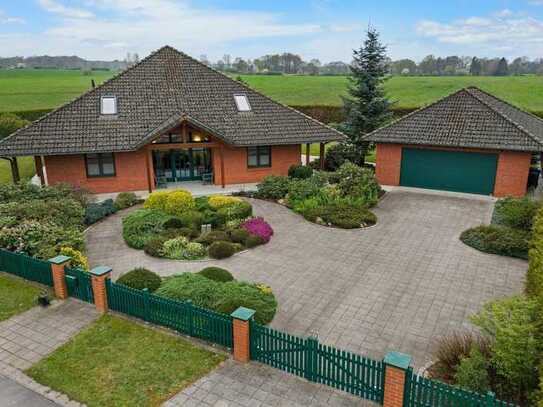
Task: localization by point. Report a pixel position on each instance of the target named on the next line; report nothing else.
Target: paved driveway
(396, 286)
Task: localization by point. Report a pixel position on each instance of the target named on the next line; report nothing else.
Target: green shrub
(194, 251)
(220, 201)
(516, 213)
(534, 277)
(238, 210)
(341, 215)
(273, 187)
(99, 210)
(472, 373)
(500, 240)
(179, 202)
(254, 241)
(202, 203)
(239, 235)
(153, 247)
(221, 250)
(213, 236)
(9, 123)
(220, 296)
(358, 182)
(65, 212)
(174, 223)
(191, 219)
(140, 278)
(339, 154)
(301, 189)
(141, 226)
(126, 200)
(215, 219)
(216, 274)
(513, 325)
(300, 171)
(175, 248)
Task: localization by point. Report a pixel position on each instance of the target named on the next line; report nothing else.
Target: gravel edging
(26, 381)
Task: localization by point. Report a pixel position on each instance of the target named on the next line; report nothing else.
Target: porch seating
(207, 178)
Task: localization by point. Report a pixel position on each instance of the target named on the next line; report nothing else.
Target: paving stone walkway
(12, 394)
(28, 337)
(396, 286)
(256, 385)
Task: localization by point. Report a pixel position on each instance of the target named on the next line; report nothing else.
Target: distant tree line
(288, 63)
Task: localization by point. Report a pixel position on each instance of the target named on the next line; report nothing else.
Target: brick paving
(28, 337)
(256, 385)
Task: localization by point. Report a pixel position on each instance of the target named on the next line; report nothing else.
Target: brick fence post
(396, 367)
(99, 275)
(59, 277)
(241, 332)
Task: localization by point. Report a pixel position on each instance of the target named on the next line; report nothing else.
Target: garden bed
(340, 199)
(176, 226)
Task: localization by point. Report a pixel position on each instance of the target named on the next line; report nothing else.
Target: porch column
(148, 169)
(39, 168)
(221, 156)
(307, 152)
(321, 156)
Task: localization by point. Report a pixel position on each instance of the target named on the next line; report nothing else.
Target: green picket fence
(423, 392)
(183, 317)
(318, 363)
(79, 284)
(26, 267)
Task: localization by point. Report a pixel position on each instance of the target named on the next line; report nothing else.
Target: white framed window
(242, 103)
(108, 105)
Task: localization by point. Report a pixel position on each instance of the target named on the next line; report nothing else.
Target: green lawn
(16, 296)
(116, 362)
(26, 169)
(28, 89)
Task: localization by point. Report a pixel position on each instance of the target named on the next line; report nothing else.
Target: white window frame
(115, 106)
(242, 102)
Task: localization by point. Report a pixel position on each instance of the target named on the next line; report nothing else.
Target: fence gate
(79, 284)
(318, 363)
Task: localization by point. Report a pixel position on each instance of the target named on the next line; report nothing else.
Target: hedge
(500, 240)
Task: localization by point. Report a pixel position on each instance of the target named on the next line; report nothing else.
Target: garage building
(469, 141)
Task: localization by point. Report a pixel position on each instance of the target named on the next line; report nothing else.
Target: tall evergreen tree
(476, 67)
(367, 107)
(503, 68)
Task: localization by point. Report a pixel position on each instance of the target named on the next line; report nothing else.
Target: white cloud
(505, 31)
(53, 6)
(5, 19)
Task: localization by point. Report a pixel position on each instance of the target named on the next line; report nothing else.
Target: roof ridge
(420, 109)
(501, 114)
(256, 91)
(88, 92)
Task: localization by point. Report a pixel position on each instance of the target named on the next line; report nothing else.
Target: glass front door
(182, 165)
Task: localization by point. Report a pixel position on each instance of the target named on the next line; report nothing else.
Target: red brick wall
(394, 387)
(130, 172)
(511, 175)
(388, 163)
(235, 164)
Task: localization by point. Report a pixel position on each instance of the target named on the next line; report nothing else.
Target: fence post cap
(243, 314)
(60, 259)
(397, 359)
(100, 271)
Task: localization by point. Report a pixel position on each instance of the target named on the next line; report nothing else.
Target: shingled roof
(155, 95)
(467, 118)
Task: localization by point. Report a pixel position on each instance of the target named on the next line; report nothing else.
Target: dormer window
(108, 105)
(242, 103)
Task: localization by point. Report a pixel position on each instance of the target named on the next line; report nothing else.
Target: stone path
(256, 385)
(396, 286)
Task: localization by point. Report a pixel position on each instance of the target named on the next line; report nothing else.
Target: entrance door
(182, 164)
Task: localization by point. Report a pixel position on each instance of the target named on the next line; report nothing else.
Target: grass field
(40, 89)
(16, 296)
(26, 169)
(116, 362)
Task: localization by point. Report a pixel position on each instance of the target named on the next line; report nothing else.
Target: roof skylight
(242, 103)
(108, 105)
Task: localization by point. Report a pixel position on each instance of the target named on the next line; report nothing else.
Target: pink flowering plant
(258, 227)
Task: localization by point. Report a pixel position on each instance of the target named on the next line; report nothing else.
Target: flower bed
(170, 226)
(339, 199)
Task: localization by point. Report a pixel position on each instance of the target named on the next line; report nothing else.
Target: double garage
(467, 142)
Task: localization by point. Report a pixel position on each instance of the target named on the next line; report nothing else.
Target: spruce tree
(367, 107)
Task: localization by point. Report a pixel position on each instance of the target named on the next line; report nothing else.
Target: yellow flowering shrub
(264, 289)
(157, 200)
(79, 260)
(220, 201)
(179, 202)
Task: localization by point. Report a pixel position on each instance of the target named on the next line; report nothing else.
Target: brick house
(166, 120)
(469, 141)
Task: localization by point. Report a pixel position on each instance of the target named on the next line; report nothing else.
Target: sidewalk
(13, 394)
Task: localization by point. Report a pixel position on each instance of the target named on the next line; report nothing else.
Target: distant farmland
(45, 89)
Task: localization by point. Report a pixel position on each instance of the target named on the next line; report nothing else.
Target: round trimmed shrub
(273, 187)
(239, 210)
(194, 251)
(216, 274)
(500, 240)
(173, 233)
(157, 200)
(126, 200)
(221, 250)
(343, 216)
(192, 219)
(141, 226)
(213, 236)
(300, 171)
(220, 201)
(173, 223)
(213, 218)
(154, 246)
(241, 294)
(141, 278)
(179, 202)
(258, 226)
(254, 241)
(239, 235)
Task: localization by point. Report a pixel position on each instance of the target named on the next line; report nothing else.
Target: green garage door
(449, 170)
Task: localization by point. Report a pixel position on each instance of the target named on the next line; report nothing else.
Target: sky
(325, 29)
